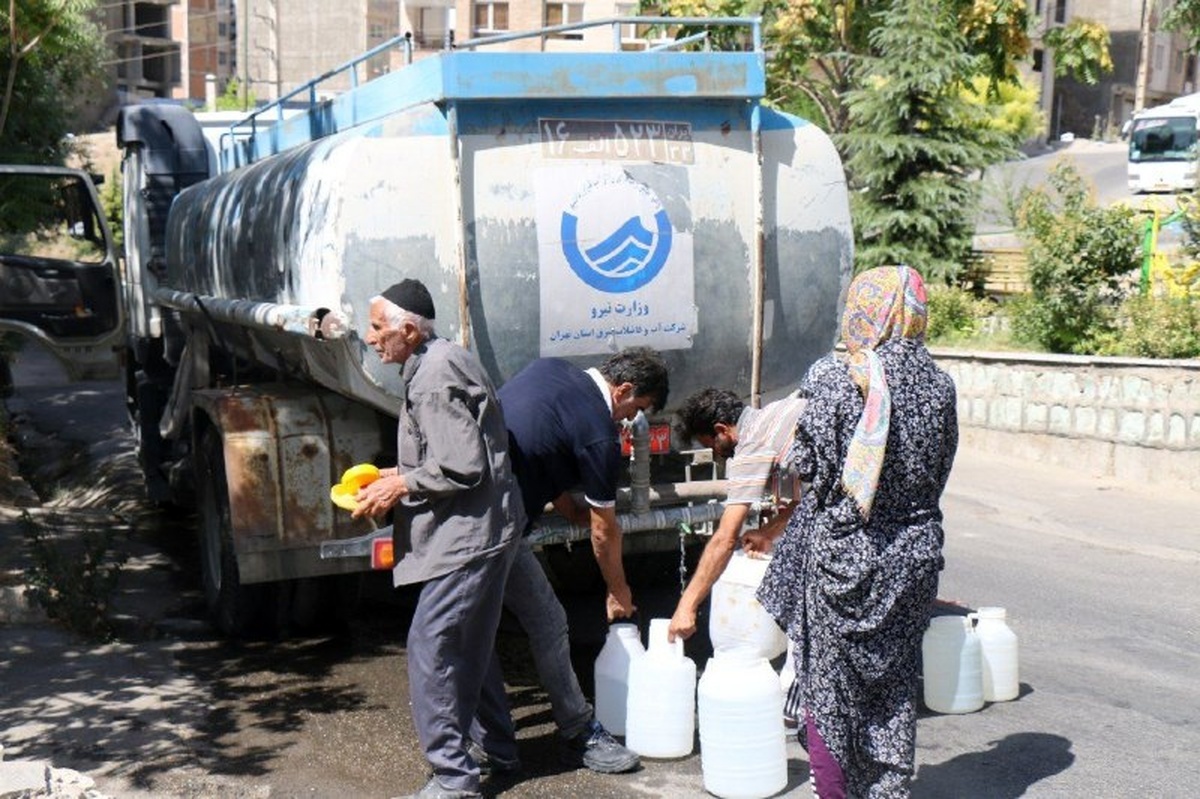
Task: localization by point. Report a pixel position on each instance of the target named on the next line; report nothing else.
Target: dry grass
(97, 152)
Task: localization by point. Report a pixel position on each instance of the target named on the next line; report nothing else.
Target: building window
(433, 26)
(376, 33)
(222, 58)
(1038, 58)
(1060, 11)
(1159, 56)
(564, 14)
(222, 29)
(491, 17)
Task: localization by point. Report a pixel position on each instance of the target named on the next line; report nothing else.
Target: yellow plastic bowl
(361, 475)
(342, 495)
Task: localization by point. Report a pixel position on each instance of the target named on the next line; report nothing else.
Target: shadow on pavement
(1006, 771)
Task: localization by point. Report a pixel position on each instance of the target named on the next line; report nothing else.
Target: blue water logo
(628, 257)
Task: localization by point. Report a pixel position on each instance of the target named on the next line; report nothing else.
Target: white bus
(1162, 146)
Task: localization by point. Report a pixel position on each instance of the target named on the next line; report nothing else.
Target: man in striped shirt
(754, 440)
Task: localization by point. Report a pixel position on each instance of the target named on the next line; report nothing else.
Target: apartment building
(166, 48)
(205, 30)
(286, 43)
(289, 42)
(491, 17)
(146, 57)
(1083, 110)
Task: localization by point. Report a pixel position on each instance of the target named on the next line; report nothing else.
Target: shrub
(1077, 254)
(954, 314)
(74, 583)
(1156, 327)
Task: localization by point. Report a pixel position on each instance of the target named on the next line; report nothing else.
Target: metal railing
(230, 155)
(237, 145)
(754, 24)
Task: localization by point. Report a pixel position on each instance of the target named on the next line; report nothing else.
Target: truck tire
(237, 611)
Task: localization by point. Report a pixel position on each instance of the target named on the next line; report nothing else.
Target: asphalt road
(1102, 165)
(1101, 581)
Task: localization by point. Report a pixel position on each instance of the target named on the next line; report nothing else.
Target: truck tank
(555, 204)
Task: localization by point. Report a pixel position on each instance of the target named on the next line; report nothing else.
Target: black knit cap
(412, 296)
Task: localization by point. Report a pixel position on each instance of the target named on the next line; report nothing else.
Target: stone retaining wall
(1133, 419)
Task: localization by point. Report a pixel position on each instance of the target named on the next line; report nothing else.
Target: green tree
(48, 50)
(915, 142)
(1011, 108)
(1182, 16)
(1080, 50)
(814, 45)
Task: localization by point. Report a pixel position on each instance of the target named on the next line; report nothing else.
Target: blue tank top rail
(471, 73)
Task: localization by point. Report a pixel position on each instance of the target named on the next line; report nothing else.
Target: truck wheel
(237, 610)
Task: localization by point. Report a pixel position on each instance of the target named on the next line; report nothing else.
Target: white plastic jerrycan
(736, 620)
(998, 645)
(621, 647)
(660, 719)
(953, 666)
(742, 750)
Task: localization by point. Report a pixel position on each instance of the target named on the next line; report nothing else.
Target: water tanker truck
(555, 204)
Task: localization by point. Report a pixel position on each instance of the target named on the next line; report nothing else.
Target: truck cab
(59, 283)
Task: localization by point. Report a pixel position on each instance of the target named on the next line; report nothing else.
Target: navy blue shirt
(561, 434)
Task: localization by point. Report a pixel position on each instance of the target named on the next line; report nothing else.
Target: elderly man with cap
(457, 523)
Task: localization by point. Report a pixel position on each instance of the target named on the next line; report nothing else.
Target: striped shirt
(764, 437)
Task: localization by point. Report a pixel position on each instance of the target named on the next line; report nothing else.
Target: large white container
(736, 619)
(998, 646)
(953, 666)
(742, 750)
(661, 714)
(621, 647)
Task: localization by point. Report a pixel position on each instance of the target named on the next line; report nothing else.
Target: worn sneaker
(435, 790)
(489, 764)
(599, 751)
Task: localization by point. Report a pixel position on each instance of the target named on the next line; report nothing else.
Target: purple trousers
(827, 778)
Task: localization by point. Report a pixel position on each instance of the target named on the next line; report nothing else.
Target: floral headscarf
(884, 303)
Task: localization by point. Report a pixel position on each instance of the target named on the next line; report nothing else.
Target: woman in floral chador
(855, 572)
